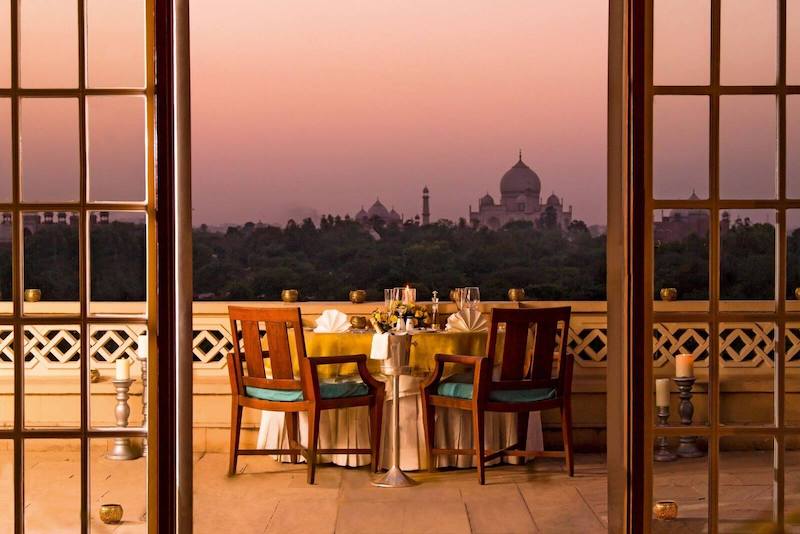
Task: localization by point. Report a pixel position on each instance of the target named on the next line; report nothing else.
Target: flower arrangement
(387, 320)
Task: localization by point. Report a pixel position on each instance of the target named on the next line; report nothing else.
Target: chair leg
(566, 432)
(313, 438)
(522, 432)
(236, 422)
(478, 433)
(429, 424)
(376, 430)
(292, 426)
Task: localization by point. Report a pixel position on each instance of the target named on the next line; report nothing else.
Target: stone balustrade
(747, 363)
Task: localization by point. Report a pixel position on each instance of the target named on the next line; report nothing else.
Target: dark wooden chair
(283, 392)
(526, 384)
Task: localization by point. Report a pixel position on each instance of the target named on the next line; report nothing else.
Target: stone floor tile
(368, 517)
(557, 508)
(498, 510)
(300, 515)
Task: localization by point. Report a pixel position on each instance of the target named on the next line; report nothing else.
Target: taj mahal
(520, 200)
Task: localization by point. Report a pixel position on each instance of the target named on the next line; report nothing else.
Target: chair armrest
(462, 359)
(359, 359)
(430, 385)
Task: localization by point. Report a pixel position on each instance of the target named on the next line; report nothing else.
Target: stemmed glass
(471, 297)
(458, 297)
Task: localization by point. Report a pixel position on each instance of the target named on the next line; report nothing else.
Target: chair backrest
(246, 330)
(549, 328)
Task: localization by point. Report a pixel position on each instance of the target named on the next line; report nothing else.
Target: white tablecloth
(349, 428)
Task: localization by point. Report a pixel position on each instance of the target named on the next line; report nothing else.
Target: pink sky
(313, 105)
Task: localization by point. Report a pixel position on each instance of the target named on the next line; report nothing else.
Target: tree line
(324, 261)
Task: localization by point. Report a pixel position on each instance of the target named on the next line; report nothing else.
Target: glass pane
(5, 150)
(118, 254)
(748, 146)
(746, 374)
(117, 482)
(747, 259)
(49, 149)
(115, 358)
(793, 146)
(681, 258)
(680, 147)
(684, 481)
(52, 376)
(791, 462)
(116, 148)
(51, 262)
(673, 341)
(52, 485)
(6, 233)
(116, 43)
(681, 42)
(6, 377)
(745, 483)
(749, 33)
(793, 42)
(5, 43)
(49, 43)
(792, 396)
(6, 485)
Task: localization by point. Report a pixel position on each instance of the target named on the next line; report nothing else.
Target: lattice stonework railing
(742, 345)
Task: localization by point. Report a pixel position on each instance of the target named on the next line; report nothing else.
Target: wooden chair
(525, 384)
(283, 392)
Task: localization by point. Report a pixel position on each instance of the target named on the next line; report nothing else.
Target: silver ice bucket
(399, 356)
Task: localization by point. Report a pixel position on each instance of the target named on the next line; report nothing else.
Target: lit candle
(409, 295)
(684, 365)
(122, 368)
(662, 392)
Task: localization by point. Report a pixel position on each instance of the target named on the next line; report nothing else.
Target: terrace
(529, 499)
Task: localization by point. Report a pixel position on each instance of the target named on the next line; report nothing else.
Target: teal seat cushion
(328, 390)
(460, 387)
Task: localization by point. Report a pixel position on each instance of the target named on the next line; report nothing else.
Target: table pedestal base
(393, 478)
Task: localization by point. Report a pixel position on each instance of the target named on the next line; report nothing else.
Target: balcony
(51, 367)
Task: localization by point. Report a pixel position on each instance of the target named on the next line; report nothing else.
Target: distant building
(520, 200)
(426, 206)
(681, 223)
(378, 213)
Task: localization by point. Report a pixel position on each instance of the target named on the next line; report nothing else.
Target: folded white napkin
(380, 346)
(467, 321)
(332, 321)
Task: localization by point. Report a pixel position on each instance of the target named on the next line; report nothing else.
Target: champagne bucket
(399, 358)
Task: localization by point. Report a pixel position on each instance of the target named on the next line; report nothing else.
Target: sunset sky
(311, 106)
(307, 107)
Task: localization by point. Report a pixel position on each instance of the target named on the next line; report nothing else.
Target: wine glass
(471, 298)
(458, 297)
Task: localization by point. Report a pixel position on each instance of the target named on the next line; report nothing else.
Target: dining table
(349, 427)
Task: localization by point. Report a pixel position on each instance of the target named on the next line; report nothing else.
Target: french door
(720, 116)
(78, 238)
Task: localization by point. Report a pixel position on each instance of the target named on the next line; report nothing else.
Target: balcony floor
(270, 497)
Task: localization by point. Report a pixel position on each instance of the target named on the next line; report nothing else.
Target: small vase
(357, 296)
(289, 295)
(668, 294)
(516, 294)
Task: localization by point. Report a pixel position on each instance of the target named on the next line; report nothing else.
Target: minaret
(426, 207)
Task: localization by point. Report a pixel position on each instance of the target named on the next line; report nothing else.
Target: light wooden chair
(284, 392)
(526, 384)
